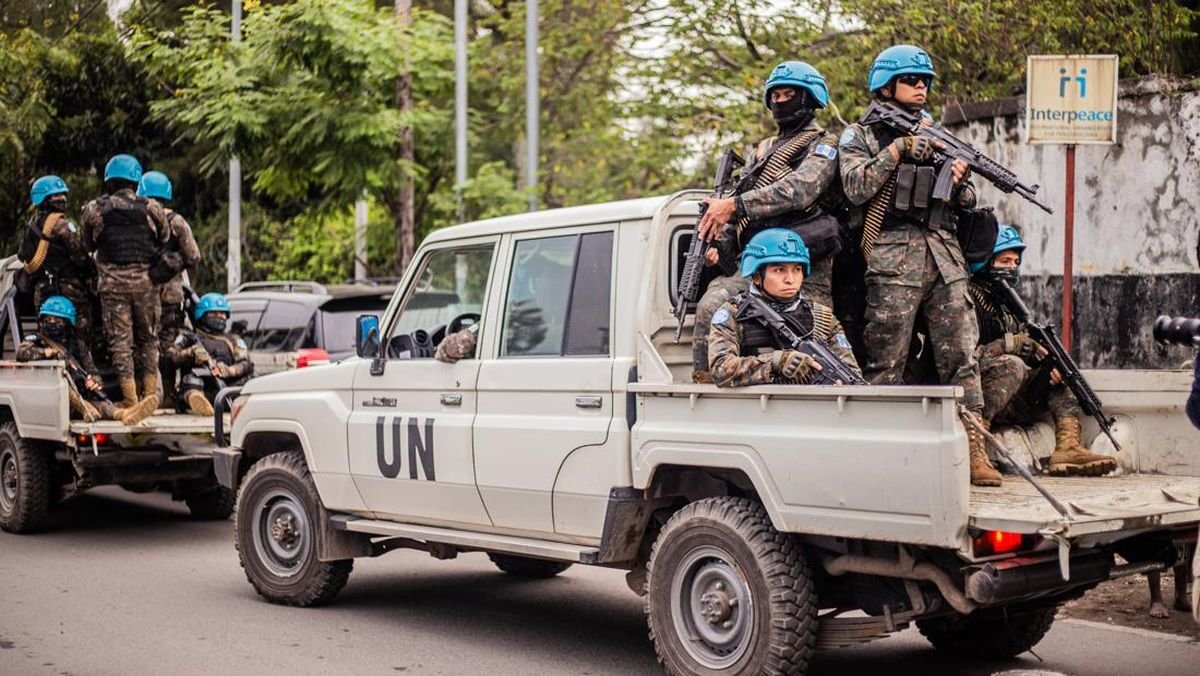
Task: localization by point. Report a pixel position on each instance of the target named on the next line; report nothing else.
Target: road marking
(1162, 636)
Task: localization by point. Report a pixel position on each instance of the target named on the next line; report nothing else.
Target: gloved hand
(916, 148)
(199, 354)
(220, 370)
(793, 365)
(90, 412)
(1021, 344)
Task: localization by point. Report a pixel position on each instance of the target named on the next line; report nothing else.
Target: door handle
(588, 401)
(451, 399)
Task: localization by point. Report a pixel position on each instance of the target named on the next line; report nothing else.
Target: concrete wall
(1137, 218)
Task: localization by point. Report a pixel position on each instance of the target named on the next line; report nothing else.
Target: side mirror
(366, 336)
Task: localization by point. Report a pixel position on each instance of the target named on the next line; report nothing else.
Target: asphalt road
(128, 584)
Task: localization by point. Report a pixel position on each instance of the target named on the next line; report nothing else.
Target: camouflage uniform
(460, 345)
(1007, 374)
(129, 302)
(812, 181)
(88, 404)
(741, 349)
(62, 267)
(171, 295)
(196, 353)
(913, 269)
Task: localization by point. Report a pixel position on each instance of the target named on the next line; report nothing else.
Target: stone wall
(1137, 218)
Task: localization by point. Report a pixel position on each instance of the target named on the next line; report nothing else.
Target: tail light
(993, 542)
(86, 439)
(311, 356)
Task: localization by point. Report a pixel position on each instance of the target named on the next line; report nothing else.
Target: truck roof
(593, 213)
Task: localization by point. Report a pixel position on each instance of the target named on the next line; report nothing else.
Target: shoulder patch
(720, 316)
(826, 151)
(31, 338)
(841, 341)
(71, 226)
(242, 344)
(846, 137)
(179, 339)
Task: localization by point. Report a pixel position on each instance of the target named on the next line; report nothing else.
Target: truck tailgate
(1096, 505)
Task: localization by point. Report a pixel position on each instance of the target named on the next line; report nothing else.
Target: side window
(559, 294)
(451, 283)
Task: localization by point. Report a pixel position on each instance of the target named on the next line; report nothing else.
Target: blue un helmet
(211, 302)
(774, 245)
(797, 74)
(123, 167)
(45, 187)
(1007, 239)
(899, 60)
(58, 306)
(155, 184)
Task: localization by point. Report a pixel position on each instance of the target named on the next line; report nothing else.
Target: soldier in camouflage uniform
(806, 191)
(56, 260)
(209, 358)
(156, 187)
(1010, 362)
(126, 233)
(915, 267)
(742, 348)
(55, 339)
(459, 345)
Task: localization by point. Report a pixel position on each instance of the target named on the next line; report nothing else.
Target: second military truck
(759, 523)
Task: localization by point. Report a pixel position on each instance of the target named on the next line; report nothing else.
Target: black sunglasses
(912, 80)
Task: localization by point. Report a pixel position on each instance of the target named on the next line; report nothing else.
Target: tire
(275, 532)
(728, 594)
(25, 484)
(521, 566)
(214, 504)
(992, 634)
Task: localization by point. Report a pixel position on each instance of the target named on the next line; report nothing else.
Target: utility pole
(460, 104)
(531, 102)
(233, 261)
(405, 227)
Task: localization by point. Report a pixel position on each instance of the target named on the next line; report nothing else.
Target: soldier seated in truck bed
(743, 349)
(55, 339)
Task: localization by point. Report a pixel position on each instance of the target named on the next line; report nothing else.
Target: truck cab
(760, 523)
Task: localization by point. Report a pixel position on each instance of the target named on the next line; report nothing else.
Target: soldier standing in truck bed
(126, 233)
(791, 182)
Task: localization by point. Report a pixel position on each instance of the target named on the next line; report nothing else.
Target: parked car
(293, 323)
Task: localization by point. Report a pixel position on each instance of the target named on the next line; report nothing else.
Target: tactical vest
(994, 320)
(57, 261)
(128, 236)
(758, 338)
(218, 346)
(172, 237)
(912, 198)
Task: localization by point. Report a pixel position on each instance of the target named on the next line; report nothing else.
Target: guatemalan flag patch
(826, 151)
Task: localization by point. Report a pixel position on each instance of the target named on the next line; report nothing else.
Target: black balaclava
(54, 204)
(1011, 275)
(213, 322)
(794, 114)
(55, 328)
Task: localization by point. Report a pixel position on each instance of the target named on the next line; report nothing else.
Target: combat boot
(1070, 458)
(149, 391)
(129, 396)
(983, 473)
(198, 404)
(109, 410)
(135, 414)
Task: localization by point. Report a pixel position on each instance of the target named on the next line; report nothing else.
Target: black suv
(290, 324)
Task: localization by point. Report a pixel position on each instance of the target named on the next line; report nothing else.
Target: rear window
(276, 325)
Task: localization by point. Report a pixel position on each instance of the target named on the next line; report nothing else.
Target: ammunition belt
(778, 166)
(876, 211)
(43, 248)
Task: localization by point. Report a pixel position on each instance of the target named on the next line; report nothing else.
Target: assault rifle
(688, 290)
(1059, 359)
(76, 371)
(910, 124)
(833, 370)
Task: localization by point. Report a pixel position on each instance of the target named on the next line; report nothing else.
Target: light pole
(460, 104)
(531, 102)
(233, 264)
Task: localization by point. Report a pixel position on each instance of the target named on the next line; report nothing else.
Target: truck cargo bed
(1094, 504)
(162, 422)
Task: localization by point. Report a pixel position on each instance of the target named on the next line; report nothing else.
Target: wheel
(522, 566)
(993, 634)
(728, 594)
(275, 532)
(212, 504)
(25, 488)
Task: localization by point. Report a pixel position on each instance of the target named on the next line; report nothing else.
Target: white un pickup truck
(47, 457)
(760, 523)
